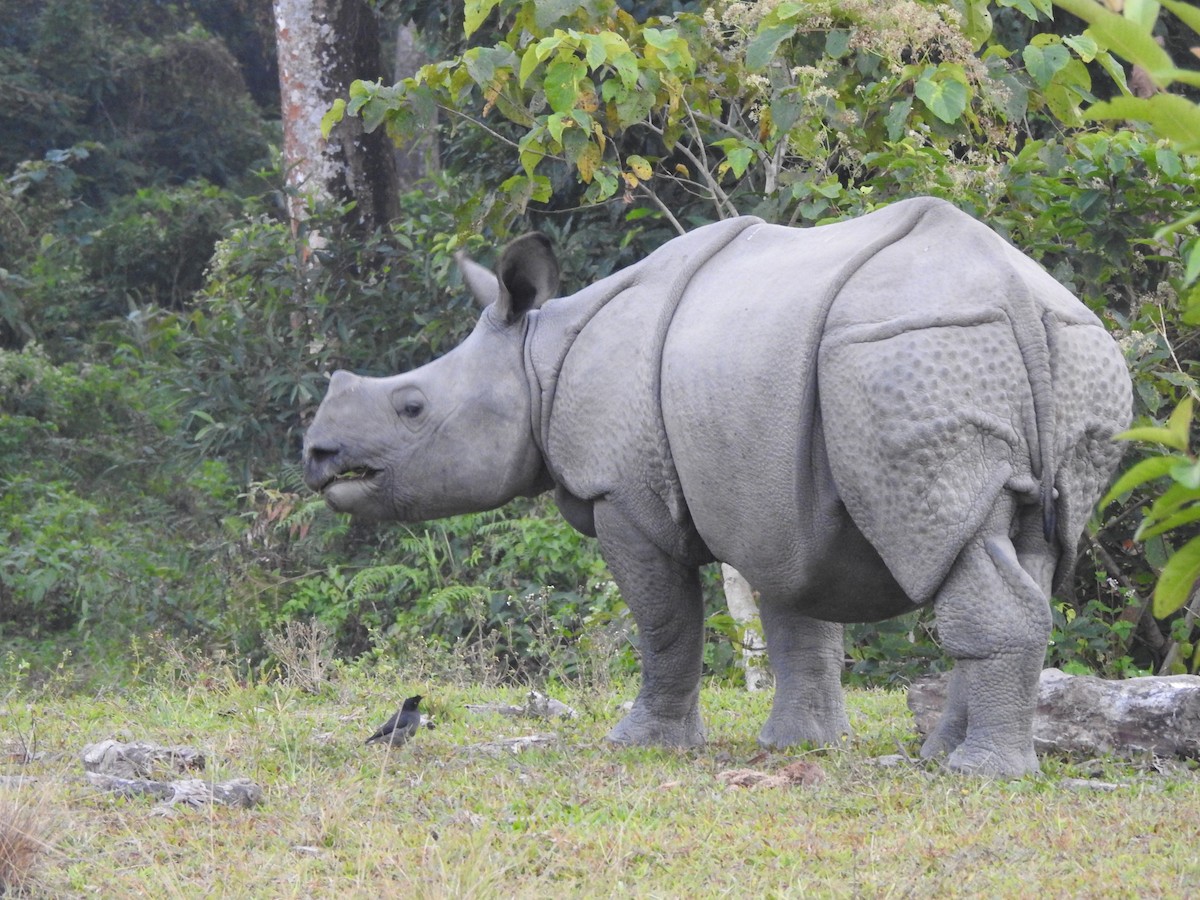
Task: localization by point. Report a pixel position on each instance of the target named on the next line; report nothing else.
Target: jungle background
(168, 318)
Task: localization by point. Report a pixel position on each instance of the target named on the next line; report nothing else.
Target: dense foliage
(165, 331)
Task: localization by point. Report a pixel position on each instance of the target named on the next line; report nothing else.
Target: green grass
(438, 818)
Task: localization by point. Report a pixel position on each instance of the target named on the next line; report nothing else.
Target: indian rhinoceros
(863, 418)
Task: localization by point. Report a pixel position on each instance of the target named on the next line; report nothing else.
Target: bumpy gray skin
(862, 418)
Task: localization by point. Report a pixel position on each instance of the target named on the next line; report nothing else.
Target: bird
(400, 727)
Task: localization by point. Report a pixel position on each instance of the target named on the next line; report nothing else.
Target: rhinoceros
(862, 417)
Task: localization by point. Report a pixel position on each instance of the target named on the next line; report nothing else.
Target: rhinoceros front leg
(664, 597)
(807, 657)
(993, 615)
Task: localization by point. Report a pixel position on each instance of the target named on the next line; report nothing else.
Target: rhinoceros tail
(1033, 334)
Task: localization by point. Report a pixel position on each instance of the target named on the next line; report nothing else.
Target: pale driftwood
(16, 781)
(739, 596)
(191, 791)
(140, 759)
(537, 706)
(1084, 714)
(514, 745)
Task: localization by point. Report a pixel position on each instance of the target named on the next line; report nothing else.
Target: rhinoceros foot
(999, 763)
(642, 728)
(799, 730)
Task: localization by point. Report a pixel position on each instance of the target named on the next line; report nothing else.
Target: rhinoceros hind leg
(994, 619)
(665, 599)
(806, 657)
(951, 728)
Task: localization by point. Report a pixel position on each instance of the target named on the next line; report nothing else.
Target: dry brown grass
(24, 827)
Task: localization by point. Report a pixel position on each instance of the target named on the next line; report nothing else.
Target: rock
(1085, 714)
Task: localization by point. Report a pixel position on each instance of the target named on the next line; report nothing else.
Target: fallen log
(537, 706)
(140, 759)
(1085, 714)
(190, 791)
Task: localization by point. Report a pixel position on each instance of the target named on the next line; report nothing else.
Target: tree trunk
(324, 45)
(739, 596)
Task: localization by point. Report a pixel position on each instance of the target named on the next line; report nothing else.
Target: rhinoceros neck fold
(659, 282)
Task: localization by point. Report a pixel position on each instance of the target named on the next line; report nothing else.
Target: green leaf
(1187, 12)
(1178, 225)
(896, 120)
(1168, 163)
(837, 43)
(1144, 471)
(595, 53)
(976, 21)
(739, 159)
(1187, 474)
(1115, 70)
(668, 50)
(1083, 45)
(335, 114)
(529, 64)
(1153, 435)
(1170, 115)
(1124, 37)
(531, 150)
(1150, 529)
(474, 12)
(549, 12)
(562, 80)
(1043, 63)
(1025, 6)
(1142, 12)
(946, 97)
(1177, 579)
(762, 47)
(620, 57)
(1174, 435)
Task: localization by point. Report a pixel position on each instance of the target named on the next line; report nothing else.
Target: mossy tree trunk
(323, 46)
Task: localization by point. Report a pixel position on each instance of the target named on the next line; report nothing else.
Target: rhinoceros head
(452, 436)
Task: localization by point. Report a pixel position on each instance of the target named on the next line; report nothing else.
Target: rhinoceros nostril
(321, 454)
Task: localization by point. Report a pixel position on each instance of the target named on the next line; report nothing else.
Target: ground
(440, 817)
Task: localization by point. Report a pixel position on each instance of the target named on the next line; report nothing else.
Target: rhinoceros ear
(480, 280)
(527, 274)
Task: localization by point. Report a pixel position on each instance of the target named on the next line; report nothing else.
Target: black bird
(400, 727)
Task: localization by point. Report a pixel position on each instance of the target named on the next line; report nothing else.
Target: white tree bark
(742, 606)
(324, 45)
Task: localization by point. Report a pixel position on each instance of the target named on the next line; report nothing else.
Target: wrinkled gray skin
(862, 418)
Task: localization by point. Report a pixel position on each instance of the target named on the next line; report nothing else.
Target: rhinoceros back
(880, 367)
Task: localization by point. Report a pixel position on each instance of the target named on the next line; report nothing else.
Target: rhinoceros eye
(409, 404)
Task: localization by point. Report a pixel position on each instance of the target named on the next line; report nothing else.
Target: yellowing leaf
(588, 162)
(640, 167)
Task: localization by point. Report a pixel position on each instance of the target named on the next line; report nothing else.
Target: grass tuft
(23, 827)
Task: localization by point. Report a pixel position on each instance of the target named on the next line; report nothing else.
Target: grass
(440, 818)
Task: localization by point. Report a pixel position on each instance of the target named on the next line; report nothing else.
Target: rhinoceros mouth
(349, 476)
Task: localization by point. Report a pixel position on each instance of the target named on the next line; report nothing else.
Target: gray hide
(862, 418)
